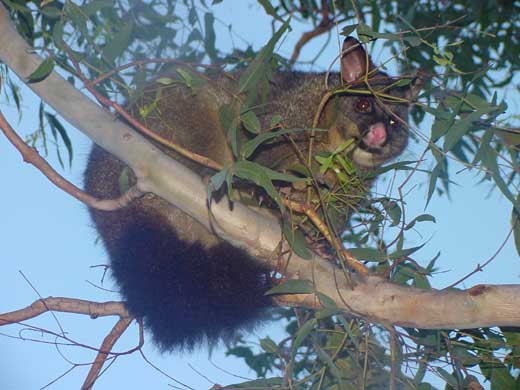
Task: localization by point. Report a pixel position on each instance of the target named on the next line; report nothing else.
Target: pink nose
(376, 135)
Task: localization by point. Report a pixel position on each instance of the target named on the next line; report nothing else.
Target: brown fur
(187, 284)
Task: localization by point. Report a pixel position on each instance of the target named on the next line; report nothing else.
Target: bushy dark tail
(185, 294)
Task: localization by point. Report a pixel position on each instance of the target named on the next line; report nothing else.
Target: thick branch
(373, 298)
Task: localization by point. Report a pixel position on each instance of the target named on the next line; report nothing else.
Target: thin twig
(203, 160)
(325, 25)
(480, 268)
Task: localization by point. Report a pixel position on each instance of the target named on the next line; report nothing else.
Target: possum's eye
(394, 124)
(363, 105)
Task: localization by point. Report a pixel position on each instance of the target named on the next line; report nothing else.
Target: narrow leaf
(119, 43)
(255, 69)
(368, 254)
(296, 240)
(42, 71)
(292, 286)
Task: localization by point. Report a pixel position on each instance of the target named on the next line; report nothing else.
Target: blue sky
(47, 235)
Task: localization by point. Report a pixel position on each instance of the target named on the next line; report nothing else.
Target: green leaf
(57, 34)
(75, 13)
(218, 180)
(296, 240)
(268, 345)
(365, 31)
(119, 42)
(515, 223)
(449, 378)
(256, 68)
(325, 358)
(346, 165)
(393, 210)
(302, 334)
(440, 127)
(251, 122)
(91, 7)
(17, 7)
(15, 93)
(403, 82)
(57, 127)
(462, 355)
(421, 281)
(229, 123)
(462, 126)
(42, 71)
(264, 383)
(124, 180)
(326, 313)
(434, 175)
(420, 218)
(501, 379)
(404, 252)
(209, 40)
(368, 254)
(166, 81)
(260, 176)
(413, 41)
(326, 301)
(489, 160)
(347, 30)
(251, 145)
(186, 77)
(270, 10)
(192, 16)
(51, 12)
(275, 120)
(401, 165)
(292, 286)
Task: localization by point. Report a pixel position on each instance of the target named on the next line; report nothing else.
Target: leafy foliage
(467, 49)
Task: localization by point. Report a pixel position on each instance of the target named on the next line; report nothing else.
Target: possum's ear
(416, 85)
(354, 60)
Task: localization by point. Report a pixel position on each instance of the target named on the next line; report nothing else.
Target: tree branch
(372, 297)
(325, 25)
(65, 305)
(79, 306)
(31, 156)
(108, 343)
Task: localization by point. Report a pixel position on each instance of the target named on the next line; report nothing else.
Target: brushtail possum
(187, 285)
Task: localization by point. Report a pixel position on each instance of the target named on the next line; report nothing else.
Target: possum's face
(371, 109)
(378, 127)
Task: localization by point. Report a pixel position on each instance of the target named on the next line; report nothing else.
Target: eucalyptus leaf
(251, 145)
(368, 254)
(42, 71)
(256, 69)
(404, 252)
(119, 42)
(420, 218)
(296, 240)
(292, 286)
